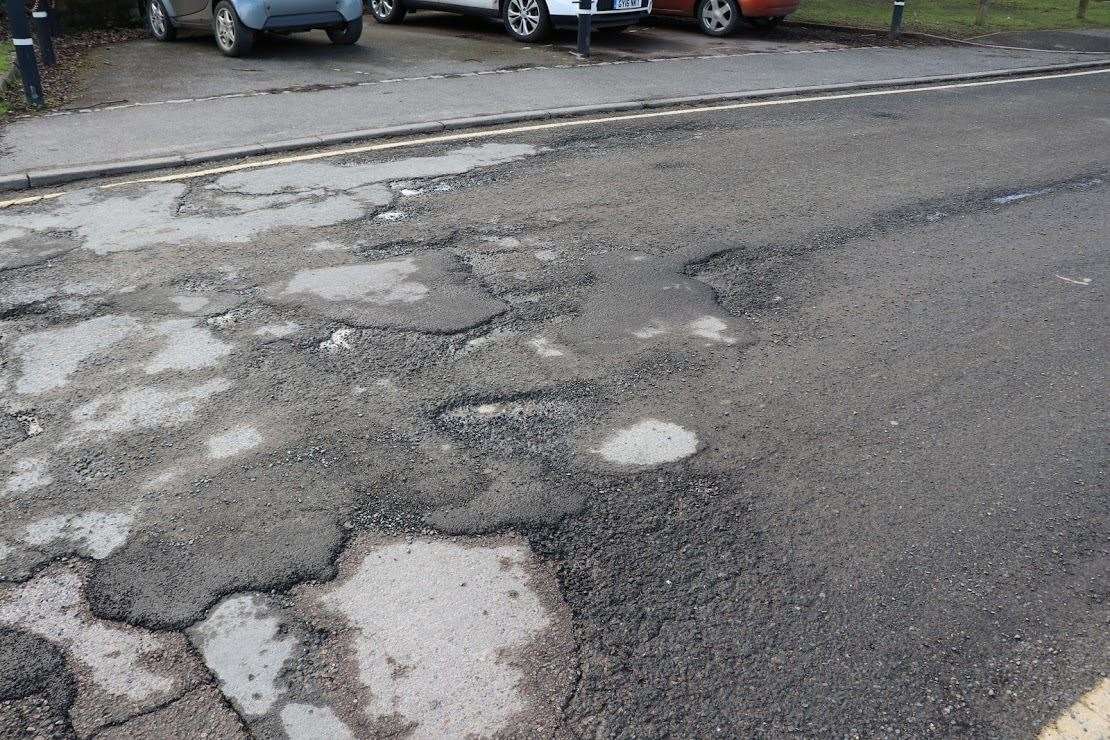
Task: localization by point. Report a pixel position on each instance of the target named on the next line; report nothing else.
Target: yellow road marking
(550, 125)
(1087, 719)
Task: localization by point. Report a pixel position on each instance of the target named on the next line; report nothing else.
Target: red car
(722, 17)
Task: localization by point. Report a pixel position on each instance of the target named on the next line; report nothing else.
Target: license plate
(625, 4)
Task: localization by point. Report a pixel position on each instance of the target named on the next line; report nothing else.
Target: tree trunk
(981, 12)
(1082, 9)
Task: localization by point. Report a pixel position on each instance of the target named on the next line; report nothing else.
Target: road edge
(56, 176)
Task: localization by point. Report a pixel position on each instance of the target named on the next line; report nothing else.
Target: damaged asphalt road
(764, 423)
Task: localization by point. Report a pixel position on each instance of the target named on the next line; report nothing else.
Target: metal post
(55, 19)
(585, 26)
(45, 31)
(25, 51)
(896, 19)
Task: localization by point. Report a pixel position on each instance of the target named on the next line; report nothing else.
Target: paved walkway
(222, 110)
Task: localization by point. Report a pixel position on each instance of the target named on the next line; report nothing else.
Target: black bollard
(585, 26)
(45, 31)
(896, 19)
(25, 52)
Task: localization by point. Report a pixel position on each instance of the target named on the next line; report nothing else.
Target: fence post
(45, 31)
(896, 18)
(25, 51)
(585, 26)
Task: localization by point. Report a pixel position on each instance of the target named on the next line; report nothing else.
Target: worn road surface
(774, 422)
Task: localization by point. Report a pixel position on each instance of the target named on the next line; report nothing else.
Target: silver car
(236, 23)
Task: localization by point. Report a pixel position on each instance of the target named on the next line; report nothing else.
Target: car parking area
(426, 44)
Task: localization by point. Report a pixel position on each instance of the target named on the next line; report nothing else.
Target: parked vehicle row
(237, 23)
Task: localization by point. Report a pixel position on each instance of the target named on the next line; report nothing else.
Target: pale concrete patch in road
(29, 473)
(278, 331)
(143, 408)
(339, 340)
(426, 292)
(648, 442)
(121, 670)
(242, 643)
(49, 357)
(705, 327)
(108, 223)
(189, 303)
(187, 347)
(325, 175)
(650, 331)
(545, 348)
(234, 442)
(431, 622)
(95, 534)
(308, 722)
(1087, 719)
(240, 206)
(375, 282)
(711, 328)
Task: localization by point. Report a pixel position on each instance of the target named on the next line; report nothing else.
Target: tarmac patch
(95, 534)
(121, 670)
(49, 357)
(242, 643)
(142, 408)
(376, 282)
(648, 442)
(234, 442)
(431, 625)
(428, 292)
(29, 473)
(187, 347)
(308, 722)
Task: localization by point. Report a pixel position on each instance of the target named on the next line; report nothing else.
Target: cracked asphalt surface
(774, 422)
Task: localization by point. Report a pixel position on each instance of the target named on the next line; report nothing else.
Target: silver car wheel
(524, 16)
(381, 8)
(225, 28)
(716, 15)
(157, 19)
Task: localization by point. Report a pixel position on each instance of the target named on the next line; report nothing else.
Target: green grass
(6, 49)
(957, 17)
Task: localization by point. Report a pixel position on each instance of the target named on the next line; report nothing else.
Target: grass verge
(957, 17)
(6, 50)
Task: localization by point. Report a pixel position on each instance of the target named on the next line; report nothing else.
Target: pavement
(1085, 39)
(781, 421)
(156, 105)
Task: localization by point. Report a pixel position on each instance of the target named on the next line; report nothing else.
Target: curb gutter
(57, 176)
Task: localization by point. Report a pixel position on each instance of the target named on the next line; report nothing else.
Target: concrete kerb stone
(56, 176)
(224, 155)
(385, 132)
(18, 181)
(59, 175)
